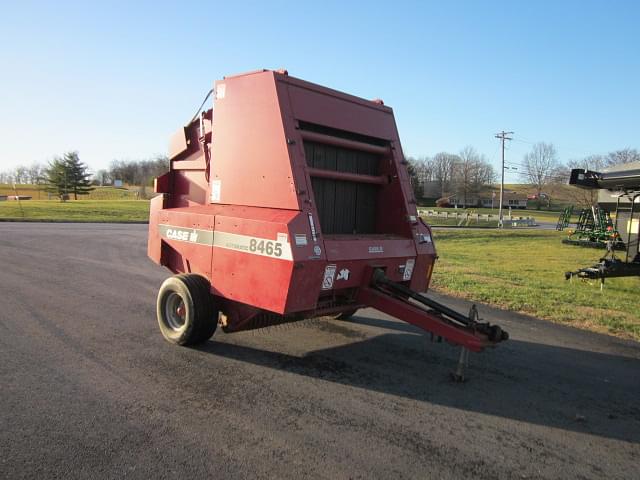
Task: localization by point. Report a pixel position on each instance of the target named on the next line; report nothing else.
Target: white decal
(183, 235)
(329, 272)
(408, 269)
(282, 237)
(313, 228)
(343, 274)
(376, 249)
(317, 250)
(254, 245)
(221, 89)
(301, 239)
(265, 247)
(215, 190)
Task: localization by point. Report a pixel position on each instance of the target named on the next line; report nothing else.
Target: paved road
(90, 390)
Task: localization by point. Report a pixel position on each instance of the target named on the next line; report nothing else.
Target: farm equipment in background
(626, 226)
(565, 218)
(594, 229)
(293, 201)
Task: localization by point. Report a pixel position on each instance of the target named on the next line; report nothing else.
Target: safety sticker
(408, 269)
(329, 274)
(312, 226)
(343, 274)
(216, 185)
(301, 239)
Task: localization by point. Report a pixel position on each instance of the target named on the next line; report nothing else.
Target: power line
(502, 136)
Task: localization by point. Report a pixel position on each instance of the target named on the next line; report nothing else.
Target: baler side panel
(322, 106)
(186, 239)
(252, 262)
(250, 158)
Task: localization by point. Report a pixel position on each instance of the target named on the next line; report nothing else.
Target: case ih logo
(185, 235)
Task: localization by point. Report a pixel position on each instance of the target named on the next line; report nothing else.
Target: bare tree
(585, 196)
(471, 173)
(541, 167)
(626, 155)
(442, 168)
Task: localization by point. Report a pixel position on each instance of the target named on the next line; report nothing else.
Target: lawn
(523, 271)
(99, 193)
(76, 210)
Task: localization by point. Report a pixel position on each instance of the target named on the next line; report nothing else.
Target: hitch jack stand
(463, 361)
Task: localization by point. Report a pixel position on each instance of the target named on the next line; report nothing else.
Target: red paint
(246, 174)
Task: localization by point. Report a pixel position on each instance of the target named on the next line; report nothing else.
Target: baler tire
(198, 320)
(346, 315)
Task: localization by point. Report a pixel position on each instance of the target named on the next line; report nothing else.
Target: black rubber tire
(346, 315)
(200, 314)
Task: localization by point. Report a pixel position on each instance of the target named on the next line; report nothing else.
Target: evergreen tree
(79, 180)
(67, 175)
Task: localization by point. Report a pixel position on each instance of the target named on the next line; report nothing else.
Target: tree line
(464, 174)
(467, 173)
(66, 175)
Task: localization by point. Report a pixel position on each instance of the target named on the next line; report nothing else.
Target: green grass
(100, 193)
(523, 271)
(452, 222)
(76, 210)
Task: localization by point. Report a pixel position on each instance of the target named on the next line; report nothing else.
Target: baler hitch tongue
(465, 330)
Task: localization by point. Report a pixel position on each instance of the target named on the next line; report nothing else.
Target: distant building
(489, 199)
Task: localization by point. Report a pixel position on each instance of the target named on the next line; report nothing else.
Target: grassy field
(100, 193)
(523, 271)
(76, 210)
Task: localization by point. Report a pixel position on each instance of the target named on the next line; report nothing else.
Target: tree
(56, 178)
(141, 172)
(442, 168)
(586, 196)
(102, 177)
(68, 175)
(626, 155)
(541, 167)
(471, 172)
(416, 184)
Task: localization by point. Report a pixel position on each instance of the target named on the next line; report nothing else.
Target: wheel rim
(175, 312)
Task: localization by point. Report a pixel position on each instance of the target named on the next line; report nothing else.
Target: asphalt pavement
(89, 389)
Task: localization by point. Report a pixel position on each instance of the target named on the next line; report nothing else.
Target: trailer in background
(625, 185)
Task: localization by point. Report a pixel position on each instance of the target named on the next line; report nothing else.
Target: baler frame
(314, 216)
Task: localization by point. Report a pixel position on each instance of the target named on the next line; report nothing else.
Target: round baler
(288, 200)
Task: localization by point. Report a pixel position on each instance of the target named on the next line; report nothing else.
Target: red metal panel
(322, 106)
(192, 257)
(420, 318)
(244, 275)
(251, 164)
(368, 247)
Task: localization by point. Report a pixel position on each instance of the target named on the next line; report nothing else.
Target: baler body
(286, 197)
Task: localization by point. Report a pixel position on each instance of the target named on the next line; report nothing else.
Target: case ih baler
(287, 201)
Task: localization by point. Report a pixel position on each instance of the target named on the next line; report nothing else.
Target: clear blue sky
(114, 80)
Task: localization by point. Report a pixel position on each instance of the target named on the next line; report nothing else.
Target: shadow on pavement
(540, 384)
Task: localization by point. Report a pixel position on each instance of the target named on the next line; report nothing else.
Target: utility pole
(502, 136)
